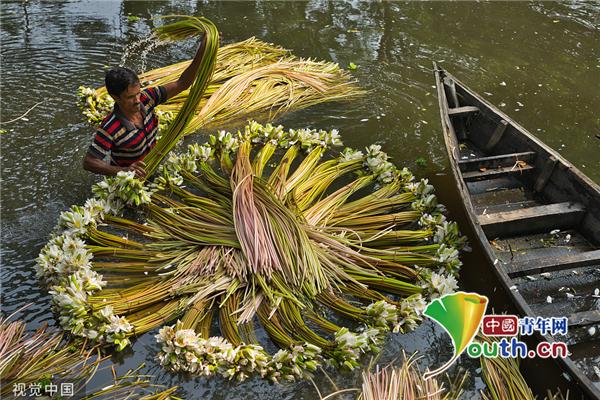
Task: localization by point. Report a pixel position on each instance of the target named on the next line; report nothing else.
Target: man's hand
(98, 166)
(139, 168)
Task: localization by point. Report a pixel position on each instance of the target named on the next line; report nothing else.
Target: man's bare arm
(97, 166)
(187, 76)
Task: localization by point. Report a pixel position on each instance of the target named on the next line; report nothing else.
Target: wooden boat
(536, 216)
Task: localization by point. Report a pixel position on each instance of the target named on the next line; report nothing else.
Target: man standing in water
(128, 132)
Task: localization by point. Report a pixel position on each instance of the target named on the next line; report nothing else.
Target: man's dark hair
(118, 79)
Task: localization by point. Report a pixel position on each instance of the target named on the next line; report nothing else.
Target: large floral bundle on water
(262, 231)
(265, 231)
(251, 77)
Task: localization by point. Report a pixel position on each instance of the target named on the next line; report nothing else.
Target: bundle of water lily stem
(40, 363)
(250, 78)
(407, 381)
(504, 380)
(262, 252)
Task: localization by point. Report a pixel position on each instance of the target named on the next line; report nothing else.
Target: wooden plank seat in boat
(462, 110)
(492, 208)
(496, 184)
(494, 173)
(532, 219)
(498, 161)
(541, 265)
(584, 318)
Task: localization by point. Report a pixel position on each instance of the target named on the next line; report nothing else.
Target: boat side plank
(545, 174)
(497, 135)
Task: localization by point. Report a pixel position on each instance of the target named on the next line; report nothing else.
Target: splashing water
(155, 43)
(147, 44)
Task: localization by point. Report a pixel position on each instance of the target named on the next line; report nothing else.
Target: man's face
(129, 100)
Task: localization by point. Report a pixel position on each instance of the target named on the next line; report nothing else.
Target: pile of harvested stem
(504, 380)
(250, 78)
(132, 385)
(263, 230)
(36, 358)
(407, 383)
(40, 362)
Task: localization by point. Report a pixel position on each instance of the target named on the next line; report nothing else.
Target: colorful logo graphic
(500, 325)
(460, 314)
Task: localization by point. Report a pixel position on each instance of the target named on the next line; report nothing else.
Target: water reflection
(538, 61)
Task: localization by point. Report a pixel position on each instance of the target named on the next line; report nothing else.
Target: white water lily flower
(386, 177)
(349, 155)
(90, 333)
(280, 356)
(427, 220)
(54, 252)
(335, 138)
(72, 243)
(205, 153)
(79, 258)
(74, 222)
(374, 150)
(190, 358)
(91, 281)
(442, 284)
(221, 135)
(417, 303)
(382, 313)
(347, 339)
(165, 334)
(312, 349)
(118, 325)
(185, 338)
(106, 312)
(373, 334)
(374, 163)
(97, 207)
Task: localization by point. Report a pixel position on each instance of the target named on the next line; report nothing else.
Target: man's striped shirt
(119, 140)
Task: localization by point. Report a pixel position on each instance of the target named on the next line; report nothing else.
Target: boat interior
(540, 217)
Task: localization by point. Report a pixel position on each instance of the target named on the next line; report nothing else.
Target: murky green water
(539, 62)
